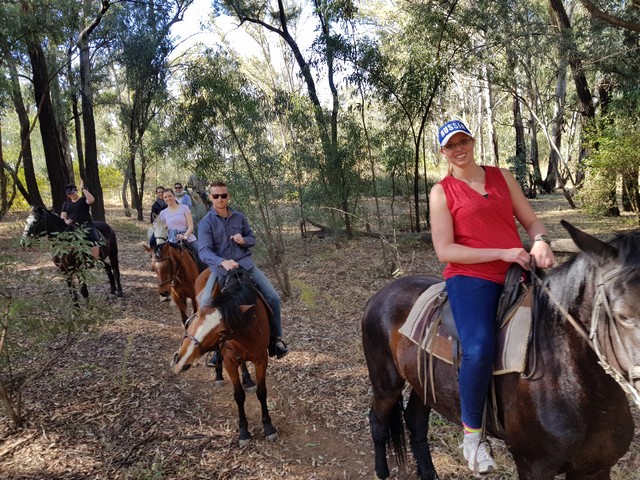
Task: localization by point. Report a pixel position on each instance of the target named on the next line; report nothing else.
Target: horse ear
(148, 248)
(601, 252)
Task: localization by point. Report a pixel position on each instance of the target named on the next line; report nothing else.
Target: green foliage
(614, 152)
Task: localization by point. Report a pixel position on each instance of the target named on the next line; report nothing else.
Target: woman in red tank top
(474, 233)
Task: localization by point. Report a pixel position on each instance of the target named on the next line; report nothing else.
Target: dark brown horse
(43, 222)
(236, 321)
(176, 270)
(570, 416)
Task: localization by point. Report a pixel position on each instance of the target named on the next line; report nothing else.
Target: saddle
(237, 275)
(194, 254)
(430, 325)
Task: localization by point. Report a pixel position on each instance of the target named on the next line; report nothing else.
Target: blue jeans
(474, 302)
(264, 285)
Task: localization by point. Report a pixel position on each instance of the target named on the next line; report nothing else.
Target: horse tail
(397, 437)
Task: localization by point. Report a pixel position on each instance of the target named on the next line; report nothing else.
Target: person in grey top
(225, 239)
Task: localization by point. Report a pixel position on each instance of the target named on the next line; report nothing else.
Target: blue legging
(473, 303)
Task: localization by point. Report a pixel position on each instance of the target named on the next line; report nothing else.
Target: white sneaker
(478, 454)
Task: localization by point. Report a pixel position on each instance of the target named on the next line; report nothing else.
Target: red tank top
(481, 222)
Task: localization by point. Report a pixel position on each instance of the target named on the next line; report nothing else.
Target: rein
(600, 300)
(173, 271)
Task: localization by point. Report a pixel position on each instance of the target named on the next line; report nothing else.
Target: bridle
(221, 342)
(173, 271)
(601, 308)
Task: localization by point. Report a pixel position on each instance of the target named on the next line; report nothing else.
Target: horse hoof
(273, 437)
(119, 294)
(244, 442)
(218, 383)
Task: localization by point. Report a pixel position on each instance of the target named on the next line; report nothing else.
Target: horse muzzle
(178, 366)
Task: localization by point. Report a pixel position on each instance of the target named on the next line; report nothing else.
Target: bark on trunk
(33, 192)
(57, 168)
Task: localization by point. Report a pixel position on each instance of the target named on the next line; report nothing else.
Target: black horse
(45, 222)
(569, 416)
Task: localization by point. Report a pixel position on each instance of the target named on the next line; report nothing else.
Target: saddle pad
(414, 327)
(424, 329)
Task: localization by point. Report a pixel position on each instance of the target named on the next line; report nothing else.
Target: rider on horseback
(75, 213)
(225, 239)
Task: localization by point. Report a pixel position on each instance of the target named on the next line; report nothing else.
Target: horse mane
(238, 290)
(628, 244)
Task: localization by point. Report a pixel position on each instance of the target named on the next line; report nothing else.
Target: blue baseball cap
(449, 129)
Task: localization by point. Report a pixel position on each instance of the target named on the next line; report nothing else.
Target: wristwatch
(542, 238)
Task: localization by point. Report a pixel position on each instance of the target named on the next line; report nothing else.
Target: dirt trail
(112, 409)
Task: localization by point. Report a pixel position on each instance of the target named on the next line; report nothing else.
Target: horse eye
(625, 321)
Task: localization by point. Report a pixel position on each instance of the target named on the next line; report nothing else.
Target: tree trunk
(489, 105)
(553, 173)
(535, 156)
(521, 144)
(4, 197)
(92, 179)
(26, 154)
(54, 154)
(570, 52)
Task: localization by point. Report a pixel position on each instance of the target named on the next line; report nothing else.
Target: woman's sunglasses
(219, 195)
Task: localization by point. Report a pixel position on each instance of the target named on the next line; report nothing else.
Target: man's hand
(237, 238)
(229, 264)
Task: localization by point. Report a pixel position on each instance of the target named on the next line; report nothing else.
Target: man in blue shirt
(225, 239)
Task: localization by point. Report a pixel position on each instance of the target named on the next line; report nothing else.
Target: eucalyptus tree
(409, 64)
(615, 55)
(225, 121)
(276, 18)
(143, 46)
(88, 156)
(36, 32)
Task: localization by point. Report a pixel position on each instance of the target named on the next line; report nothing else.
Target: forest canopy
(323, 105)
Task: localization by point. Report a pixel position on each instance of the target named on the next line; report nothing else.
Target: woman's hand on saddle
(229, 265)
(516, 255)
(543, 254)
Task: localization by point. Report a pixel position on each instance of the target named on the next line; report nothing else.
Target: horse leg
(84, 290)
(239, 397)
(604, 474)
(72, 290)
(248, 384)
(115, 267)
(385, 420)
(270, 431)
(219, 381)
(112, 281)
(416, 416)
(182, 306)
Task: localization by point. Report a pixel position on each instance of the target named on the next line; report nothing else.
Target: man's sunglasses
(219, 195)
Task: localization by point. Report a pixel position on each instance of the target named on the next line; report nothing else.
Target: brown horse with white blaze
(568, 416)
(236, 321)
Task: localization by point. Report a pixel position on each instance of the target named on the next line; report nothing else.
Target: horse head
(164, 267)
(36, 225)
(615, 321)
(216, 322)
(160, 230)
